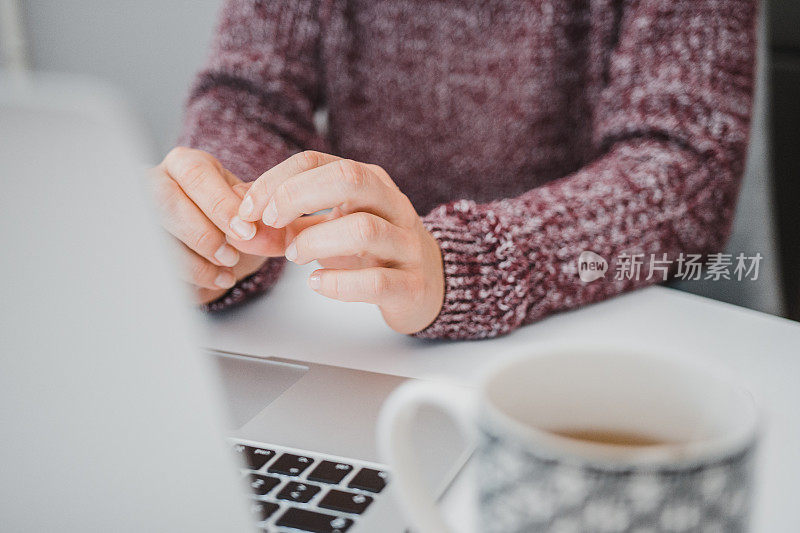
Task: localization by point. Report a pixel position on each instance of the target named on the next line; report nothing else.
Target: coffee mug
(577, 438)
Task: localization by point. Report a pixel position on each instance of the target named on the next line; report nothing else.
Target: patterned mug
(578, 438)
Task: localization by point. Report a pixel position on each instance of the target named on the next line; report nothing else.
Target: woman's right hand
(198, 200)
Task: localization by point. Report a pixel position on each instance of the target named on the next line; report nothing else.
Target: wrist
(434, 276)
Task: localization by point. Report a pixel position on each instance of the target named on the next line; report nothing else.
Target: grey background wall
(151, 49)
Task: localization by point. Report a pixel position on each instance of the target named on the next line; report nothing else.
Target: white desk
(294, 322)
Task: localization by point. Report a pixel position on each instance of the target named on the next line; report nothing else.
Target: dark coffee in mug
(583, 438)
(608, 436)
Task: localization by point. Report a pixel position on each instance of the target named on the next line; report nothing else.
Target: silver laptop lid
(109, 419)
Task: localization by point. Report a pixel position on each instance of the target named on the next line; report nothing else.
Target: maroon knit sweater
(524, 132)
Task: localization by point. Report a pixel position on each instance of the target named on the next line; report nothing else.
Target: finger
(382, 174)
(359, 234)
(347, 263)
(294, 229)
(267, 242)
(200, 272)
(271, 242)
(184, 220)
(377, 285)
(256, 200)
(205, 182)
(344, 183)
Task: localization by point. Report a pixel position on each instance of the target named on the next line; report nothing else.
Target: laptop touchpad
(250, 384)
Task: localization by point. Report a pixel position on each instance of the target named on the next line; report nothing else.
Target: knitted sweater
(524, 132)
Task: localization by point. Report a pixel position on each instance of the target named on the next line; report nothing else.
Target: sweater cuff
(257, 283)
(482, 272)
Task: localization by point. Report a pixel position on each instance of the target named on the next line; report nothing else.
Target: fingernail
(291, 251)
(270, 214)
(225, 280)
(227, 255)
(246, 209)
(245, 230)
(314, 281)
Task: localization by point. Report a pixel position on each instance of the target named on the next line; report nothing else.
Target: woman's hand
(198, 200)
(372, 245)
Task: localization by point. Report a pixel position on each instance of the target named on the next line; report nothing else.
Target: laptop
(113, 419)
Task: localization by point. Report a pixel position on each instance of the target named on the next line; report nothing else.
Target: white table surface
(294, 322)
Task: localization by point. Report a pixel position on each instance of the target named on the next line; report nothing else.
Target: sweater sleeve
(671, 130)
(252, 104)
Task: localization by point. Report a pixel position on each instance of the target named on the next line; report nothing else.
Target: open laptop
(305, 434)
(112, 418)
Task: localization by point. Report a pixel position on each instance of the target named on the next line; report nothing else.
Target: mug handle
(395, 429)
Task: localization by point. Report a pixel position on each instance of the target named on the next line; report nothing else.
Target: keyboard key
(298, 492)
(346, 502)
(254, 458)
(290, 465)
(261, 485)
(369, 479)
(330, 472)
(314, 522)
(263, 510)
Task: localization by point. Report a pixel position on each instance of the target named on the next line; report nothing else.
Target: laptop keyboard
(294, 490)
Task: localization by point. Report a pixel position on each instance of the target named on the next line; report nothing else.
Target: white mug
(694, 475)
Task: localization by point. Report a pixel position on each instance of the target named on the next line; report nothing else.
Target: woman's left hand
(372, 245)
